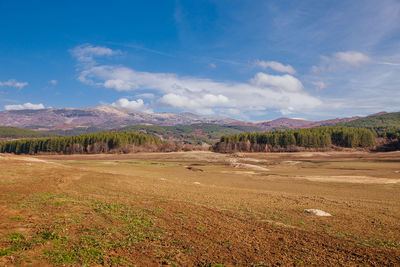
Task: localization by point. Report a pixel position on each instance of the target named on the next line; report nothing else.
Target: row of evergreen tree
(87, 143)
(309, 138)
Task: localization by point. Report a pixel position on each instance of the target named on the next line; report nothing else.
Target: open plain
(200, 208)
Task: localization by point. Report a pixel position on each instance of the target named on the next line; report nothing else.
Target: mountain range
(109, 117)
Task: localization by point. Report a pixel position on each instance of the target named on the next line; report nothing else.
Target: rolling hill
(190, 134)
(16, 133)
(378, 122)
(104, 117)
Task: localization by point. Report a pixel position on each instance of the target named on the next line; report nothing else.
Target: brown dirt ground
(200, 208)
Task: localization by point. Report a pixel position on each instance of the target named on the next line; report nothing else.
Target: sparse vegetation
(114, 210)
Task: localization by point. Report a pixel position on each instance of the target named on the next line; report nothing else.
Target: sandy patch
(291, 162)
(350, 179)
(234, 163)
(240, 172)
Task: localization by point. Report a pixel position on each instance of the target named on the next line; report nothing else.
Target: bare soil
(200, 208)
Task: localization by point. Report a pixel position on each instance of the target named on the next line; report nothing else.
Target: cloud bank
(14, 83)
(200, 95)
(352, 57)
(24, 106)
(277, 66)
(133, 104)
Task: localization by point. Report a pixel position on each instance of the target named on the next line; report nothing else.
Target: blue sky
(252, 60)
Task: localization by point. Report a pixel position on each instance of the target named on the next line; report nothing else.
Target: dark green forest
(14, 132)
(320, 137)
(379, 123)
(87, 143)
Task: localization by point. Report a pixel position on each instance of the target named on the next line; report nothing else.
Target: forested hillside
(194, 134)
(379, 123)
(14, 132)
(321, 137)
(88, 143)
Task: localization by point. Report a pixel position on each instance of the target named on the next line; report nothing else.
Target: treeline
(291, 140)
(14, 132)
(389, 140)
(88, 143)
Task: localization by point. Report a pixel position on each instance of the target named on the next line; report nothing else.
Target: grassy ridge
(14, 132)
(378, 123)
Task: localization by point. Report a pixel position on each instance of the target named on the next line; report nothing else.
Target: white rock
(317, 212)
(163, 179)
(196, 183)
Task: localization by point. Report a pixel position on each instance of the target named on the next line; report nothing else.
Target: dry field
(200, 208)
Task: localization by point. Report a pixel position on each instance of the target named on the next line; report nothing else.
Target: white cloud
(352, 57)
(212, 65)
(320, 84)
(286, 82)
(24, 106)
(200, 105)
(14, 83)
(340, 60)
(205, 96)
(85, 53)
(133, 104)
(277, 66)
(389, 63)
(146, 95)
(53, 82)
(287, 111)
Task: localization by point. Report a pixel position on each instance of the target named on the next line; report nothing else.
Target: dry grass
(144, 209)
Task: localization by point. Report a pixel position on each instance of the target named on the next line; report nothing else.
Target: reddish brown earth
(200, 208)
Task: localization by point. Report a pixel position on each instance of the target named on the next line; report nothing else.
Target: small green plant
(298, 262)
(119, 260)
(201, 228)
(6, 252)
(48, 235)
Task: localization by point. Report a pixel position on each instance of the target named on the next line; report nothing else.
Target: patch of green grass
(114, 226)
(119, 260)
(201, 228)
(48, 235)
(298, 262)
(16, 218)
(6, 252)
(85, 251)
(342, 234)
(18, 242)
(379, 243)
(45, 199)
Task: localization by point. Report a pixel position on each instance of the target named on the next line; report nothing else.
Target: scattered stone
(163, 179)
(190, 168)
(317, 212)
(196, 183)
